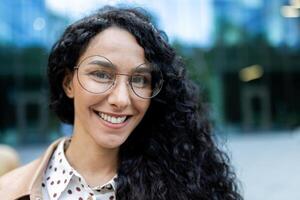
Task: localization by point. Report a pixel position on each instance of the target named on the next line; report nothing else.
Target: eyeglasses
(97, 74)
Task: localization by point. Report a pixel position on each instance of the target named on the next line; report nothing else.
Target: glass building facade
(256, 65)
(28, 31)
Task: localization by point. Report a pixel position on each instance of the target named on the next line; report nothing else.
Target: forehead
(118, 45)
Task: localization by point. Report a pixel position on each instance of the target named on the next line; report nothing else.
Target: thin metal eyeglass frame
(114, 82)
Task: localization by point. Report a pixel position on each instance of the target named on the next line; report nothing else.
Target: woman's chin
(110, 143)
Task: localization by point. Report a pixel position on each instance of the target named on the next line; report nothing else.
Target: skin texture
(95, 146)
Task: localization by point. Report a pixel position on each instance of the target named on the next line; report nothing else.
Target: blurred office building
(245, 55)
(256, 64)
(28, 30)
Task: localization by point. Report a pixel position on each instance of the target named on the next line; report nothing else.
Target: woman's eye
(102, 76)
(140, 81)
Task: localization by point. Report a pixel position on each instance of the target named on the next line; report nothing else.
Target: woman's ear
(68, 85)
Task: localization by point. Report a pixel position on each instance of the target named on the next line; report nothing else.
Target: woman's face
(100, 116)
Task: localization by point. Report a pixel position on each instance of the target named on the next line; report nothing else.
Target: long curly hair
(171, 154)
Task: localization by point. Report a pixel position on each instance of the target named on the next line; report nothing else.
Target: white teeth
(112, 119)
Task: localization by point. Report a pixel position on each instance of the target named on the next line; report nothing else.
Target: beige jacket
(25, 182)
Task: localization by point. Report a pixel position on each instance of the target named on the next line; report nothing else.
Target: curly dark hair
(172, 153)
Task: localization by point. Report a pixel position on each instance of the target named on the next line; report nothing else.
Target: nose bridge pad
(115, 84)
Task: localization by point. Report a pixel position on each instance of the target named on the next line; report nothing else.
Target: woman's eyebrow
(103, 63)
(144, 69)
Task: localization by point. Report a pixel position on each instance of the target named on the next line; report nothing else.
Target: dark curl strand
(171, 155)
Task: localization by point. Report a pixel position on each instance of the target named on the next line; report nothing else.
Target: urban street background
(243, 54)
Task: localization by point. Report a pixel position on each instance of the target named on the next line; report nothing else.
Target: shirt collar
(60, 173)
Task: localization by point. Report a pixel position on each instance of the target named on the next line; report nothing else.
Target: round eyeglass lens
(96, 74)
(146, 81)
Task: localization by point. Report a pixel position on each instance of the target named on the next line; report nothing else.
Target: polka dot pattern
(61, 181)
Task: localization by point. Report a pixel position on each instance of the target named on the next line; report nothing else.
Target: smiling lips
(112, 119)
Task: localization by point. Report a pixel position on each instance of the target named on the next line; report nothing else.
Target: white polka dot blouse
(61, 181)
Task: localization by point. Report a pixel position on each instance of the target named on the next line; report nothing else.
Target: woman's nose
(119, 97)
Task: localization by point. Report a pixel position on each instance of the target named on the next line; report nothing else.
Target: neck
(96, 164)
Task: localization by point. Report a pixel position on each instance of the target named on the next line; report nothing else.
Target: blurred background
(244, 54)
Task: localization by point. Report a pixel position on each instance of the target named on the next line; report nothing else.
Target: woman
(140, 130)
